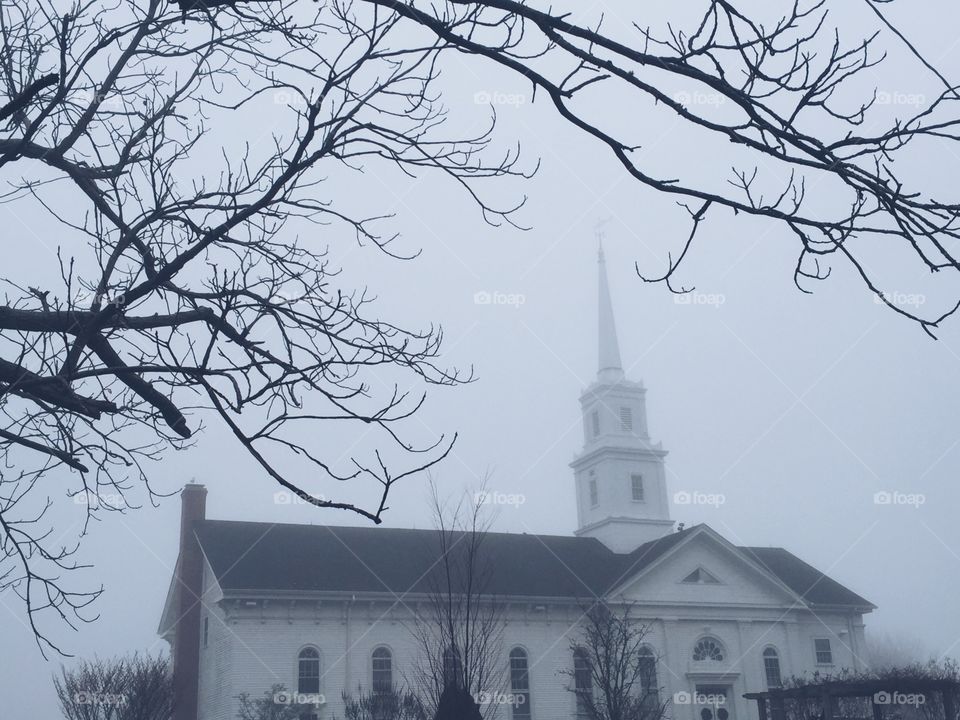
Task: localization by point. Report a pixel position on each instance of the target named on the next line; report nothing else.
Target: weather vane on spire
(600, 233)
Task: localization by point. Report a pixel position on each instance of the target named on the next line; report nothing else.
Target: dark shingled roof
(263, 557)
(805, 580)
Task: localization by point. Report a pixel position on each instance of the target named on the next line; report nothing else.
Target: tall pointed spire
(610, 368)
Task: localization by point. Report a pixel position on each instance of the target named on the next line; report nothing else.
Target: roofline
(742, 553)
(371, 526)
(411, 597)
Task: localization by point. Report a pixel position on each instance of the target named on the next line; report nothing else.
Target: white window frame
(633, 488)
(816, 651)
(373, 669)
(319, 660)
(526, 714)
(771, 653)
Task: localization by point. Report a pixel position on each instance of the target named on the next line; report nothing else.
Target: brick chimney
(186, 640)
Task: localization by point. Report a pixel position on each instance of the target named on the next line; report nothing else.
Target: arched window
(452, 667)
(308, 671)
(582, 682)
(520, 684)
(382, 672)
(647, 666)
(708, 650)
(771, 667)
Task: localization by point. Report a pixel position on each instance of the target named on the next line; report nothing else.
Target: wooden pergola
(793, 703)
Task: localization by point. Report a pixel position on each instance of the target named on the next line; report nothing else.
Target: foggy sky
(796, 408)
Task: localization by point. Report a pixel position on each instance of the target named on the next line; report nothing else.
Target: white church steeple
(610, 366)
(619, 474)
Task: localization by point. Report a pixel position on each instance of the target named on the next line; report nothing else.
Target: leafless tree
(191, 283)
(616, 678)
(138, 687)
(459, 627)
(796, 103)
(194, 295)
(394, 704)
(273, 705)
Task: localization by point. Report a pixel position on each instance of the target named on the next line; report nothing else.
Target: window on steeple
(595, 422)
(636, 488)
(626, 419)
(594, 499)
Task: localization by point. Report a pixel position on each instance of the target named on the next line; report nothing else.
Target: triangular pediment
(704, 568)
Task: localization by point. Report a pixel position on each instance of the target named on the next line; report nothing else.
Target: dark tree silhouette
(138, 687)
(202, 293)
(619, 680)
(459, 628)
(395, 704)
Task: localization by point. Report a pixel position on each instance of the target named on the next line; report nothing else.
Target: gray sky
(797, 408)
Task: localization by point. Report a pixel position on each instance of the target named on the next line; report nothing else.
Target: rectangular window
(824, 653)
(594, 499)
(206, 631)
(595, 422)
(636, 487)
(626, 419)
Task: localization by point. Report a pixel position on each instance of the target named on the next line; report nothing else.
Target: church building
(324, 609)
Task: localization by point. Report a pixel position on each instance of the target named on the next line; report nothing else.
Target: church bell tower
(619, 475)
